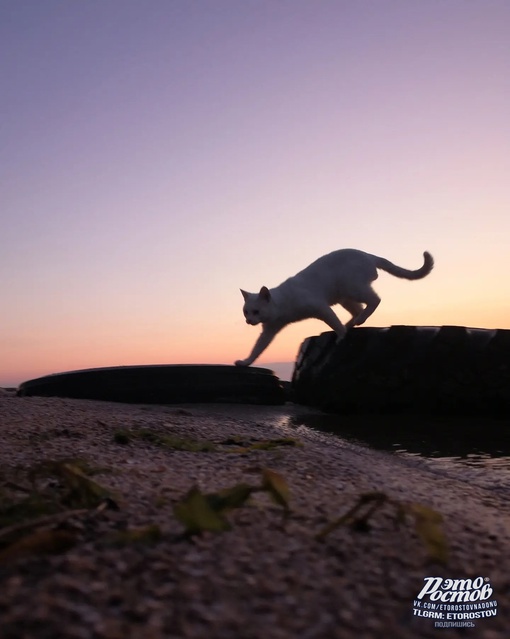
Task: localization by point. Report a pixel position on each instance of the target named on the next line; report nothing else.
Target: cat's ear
(244, 294)
(264, 294)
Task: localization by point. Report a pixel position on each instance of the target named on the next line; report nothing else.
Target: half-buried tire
(447, 370)
(162, 384)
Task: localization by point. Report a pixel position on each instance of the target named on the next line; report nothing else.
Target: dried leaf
(276, 486)
(428, 524)
(197, 515)
(83, 491)
(230, 498)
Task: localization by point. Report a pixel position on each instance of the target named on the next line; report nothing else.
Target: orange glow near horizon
(43, 359)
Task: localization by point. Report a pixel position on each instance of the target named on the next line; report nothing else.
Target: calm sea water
(471, 449)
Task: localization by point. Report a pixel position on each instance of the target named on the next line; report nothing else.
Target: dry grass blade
(163, 440)
(242, 446)
(10, 532)
(37, 543)
(144, 535)
(352, 518)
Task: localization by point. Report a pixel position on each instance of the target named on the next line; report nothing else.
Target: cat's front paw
(242, 362)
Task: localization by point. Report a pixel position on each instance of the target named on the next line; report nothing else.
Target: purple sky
(158, 155)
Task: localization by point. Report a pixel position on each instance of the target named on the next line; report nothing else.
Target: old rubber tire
(448, 370)
(162, 384)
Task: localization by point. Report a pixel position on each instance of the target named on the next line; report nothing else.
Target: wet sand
(268, 577)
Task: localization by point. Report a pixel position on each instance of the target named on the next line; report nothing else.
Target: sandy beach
(269, 576)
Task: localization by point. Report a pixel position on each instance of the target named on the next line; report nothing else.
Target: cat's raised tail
(398, 271)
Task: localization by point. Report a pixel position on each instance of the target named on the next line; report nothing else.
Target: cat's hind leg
(354, 308)
(372, 301)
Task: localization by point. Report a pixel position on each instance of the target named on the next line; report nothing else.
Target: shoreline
(265, 577)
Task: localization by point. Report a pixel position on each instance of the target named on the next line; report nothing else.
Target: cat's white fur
(342, 277)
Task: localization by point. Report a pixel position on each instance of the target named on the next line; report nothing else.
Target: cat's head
(257, 307)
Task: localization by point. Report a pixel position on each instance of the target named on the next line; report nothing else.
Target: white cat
(342, 277)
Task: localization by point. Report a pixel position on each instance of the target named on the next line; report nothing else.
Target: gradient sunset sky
(157, 156)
